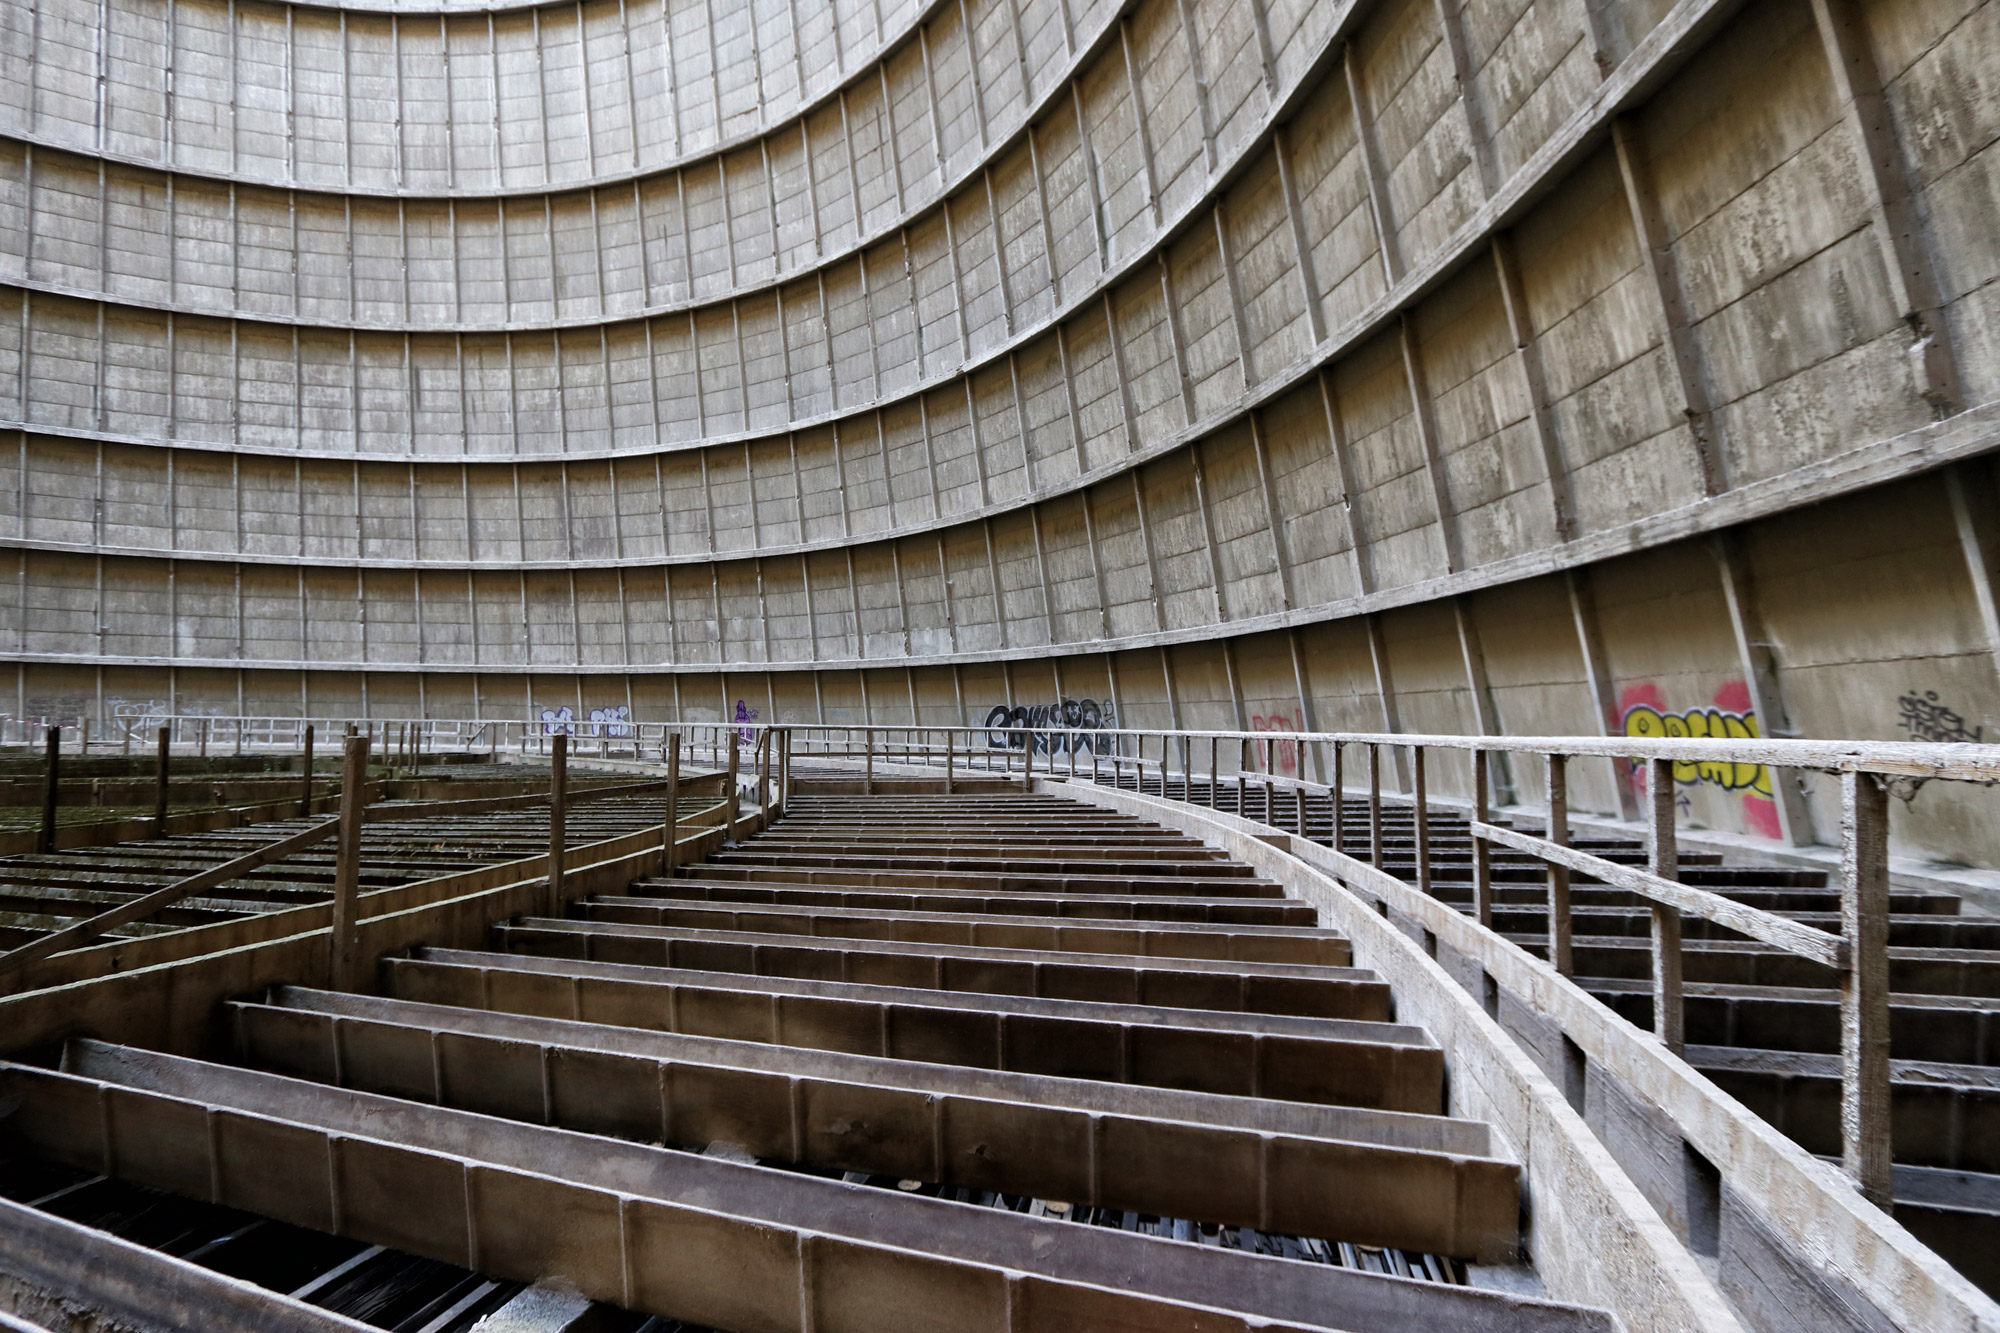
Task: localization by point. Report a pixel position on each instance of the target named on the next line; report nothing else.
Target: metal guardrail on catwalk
(357, 808)
(1194, 766)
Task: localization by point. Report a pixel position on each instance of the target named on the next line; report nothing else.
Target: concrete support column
(1760, 675)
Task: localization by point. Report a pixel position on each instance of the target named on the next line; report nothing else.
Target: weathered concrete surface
(870, 356)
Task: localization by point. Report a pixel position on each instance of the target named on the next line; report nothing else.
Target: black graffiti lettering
(1054, 728)
(1926, 719)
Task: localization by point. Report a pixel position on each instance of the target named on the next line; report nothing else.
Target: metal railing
(398, 741)
(1195, 766)
(357, 807)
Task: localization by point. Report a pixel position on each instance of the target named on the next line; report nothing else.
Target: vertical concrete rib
(1424, 413)
(1355, 532)
(1267, 484)
(1380, 210)
(1281, 150)
(1478, 127)
(1656, 252)
(1969, 489)
(1141, 124)
(1760, 674)
(1205, 504)
(1598, 681)
(1896, 212)
(1152, 556)
(1176, 339)
(1485, 707)
(1527, 353)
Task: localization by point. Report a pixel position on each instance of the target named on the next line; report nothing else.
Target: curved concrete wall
(1262, 363)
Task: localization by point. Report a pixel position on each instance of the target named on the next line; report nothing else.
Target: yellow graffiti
(1703, 723)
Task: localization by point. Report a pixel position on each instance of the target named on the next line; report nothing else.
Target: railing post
(1339, 781)
(950, 743)
(558, 823)
(867, 762)
(1243, 779)
(45, 841)
(1865, 1146)
(784, 771)
(1375, 805)
(1559, 922)
(1663, 859)
(345, 957)
(159, 781)
(1028, 762)
(306, 782)
(732, 802)
(1421, 791)
(201, 739)
(1211, 771)
(1482, 850)
(671, 827)
(764, 779)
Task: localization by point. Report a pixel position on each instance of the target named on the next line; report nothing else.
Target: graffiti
(600, 722)
(745, 715)
(611, 721)
(1925, 719)
(1703, 723)
(1055, 726)
(1643, 713)
(131, 717)
(1278, 756)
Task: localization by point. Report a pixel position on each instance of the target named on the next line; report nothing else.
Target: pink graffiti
(1278, 756)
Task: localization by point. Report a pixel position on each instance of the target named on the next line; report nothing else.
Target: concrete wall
(1255, 363)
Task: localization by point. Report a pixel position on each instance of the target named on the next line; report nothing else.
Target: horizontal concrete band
(1404, 1129)
(314, 96)
(1085, 877)
(1126, 907)
(820, 203)
(302, 1152)
(1271, 944)
(1191, 983)
(1285, 95)
(1363, 1063)
(1255, 891)
(1034, 1143)
(945, 621)
(1465, 245)
(1017, 860)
